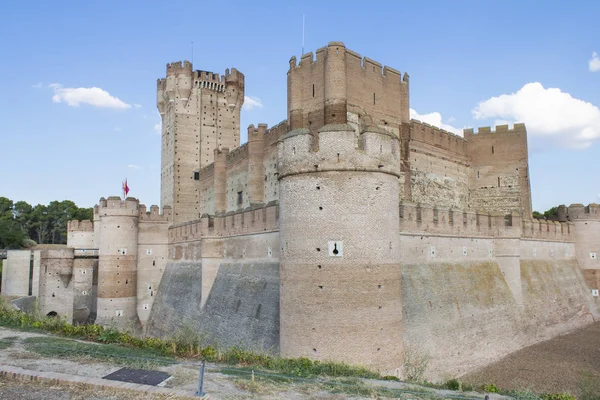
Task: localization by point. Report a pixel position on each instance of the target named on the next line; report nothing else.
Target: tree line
(23, 225)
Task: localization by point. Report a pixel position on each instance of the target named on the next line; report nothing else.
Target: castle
(347, 232)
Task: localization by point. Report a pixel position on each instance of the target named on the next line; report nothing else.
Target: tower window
(373, 98)
(313, 90)
(196, 176)
(498, 181)
(492, 149)
(240, 198)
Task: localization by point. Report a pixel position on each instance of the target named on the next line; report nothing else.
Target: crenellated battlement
(552, 230)
(579, 211)
(176, 68)
(115, 206)
(237, 155)
(264, 218)
(337, 148)
(276, 133)
(352, 60)
(499, 130)
(80, 226)
(326, 87)
(155, 215)
(423, 132)
(418, 218)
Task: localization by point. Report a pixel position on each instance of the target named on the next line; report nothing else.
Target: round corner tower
(340, 255)
(117, 264)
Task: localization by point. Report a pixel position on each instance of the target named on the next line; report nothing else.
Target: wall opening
(373, 98)
(52, 314)
(498, 181)
(313, 90)
(492, 149)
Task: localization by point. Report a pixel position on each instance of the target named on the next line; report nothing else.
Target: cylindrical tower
(340, 260)
(117, 265)
(586, 221)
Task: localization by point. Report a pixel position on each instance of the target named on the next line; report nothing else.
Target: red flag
(125, 188)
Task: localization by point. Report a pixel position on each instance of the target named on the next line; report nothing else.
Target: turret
(256, 170)
(80, 234)
(335, 84)
(160, 95)
(339, 235)
(220, 180)
(117, 264)
(184, 82)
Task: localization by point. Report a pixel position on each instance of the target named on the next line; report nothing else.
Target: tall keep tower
(340, 254)
(200, 112)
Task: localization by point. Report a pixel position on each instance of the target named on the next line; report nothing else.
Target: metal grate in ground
(152, 378)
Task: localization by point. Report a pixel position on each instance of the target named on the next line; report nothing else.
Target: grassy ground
(53, 347)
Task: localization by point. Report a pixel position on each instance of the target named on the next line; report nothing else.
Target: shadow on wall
(241, 309)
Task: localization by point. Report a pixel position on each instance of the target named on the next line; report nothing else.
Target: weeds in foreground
(415, 364)
(187, 344)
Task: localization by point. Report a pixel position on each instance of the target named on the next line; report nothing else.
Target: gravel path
(568, 363)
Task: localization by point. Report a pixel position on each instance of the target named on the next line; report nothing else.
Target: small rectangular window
(196, 176)
(240, 198)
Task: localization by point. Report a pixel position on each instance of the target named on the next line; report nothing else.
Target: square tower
(200, 112)
(342, 87)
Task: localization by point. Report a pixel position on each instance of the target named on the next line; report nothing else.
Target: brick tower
(200, 112)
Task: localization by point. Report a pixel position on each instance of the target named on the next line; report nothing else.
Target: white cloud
(547, 112)
(435, 119)
(135, 105)
(133, 166)
(251, 102)
(594, 63)
(37, 85)
(93, 96)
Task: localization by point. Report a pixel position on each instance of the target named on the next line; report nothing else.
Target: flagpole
(302, 36)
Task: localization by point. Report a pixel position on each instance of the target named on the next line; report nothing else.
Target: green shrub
(452, 384)
(491, 388)
(557, 396)
(391, 378)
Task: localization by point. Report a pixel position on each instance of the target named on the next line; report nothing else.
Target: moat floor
(568, 363)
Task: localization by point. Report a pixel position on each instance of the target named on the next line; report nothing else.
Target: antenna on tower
(302, 35)
(192, 54)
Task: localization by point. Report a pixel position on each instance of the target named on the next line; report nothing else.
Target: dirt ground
(568, 363)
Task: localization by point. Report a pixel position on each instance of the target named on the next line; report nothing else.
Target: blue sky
(471, 63)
